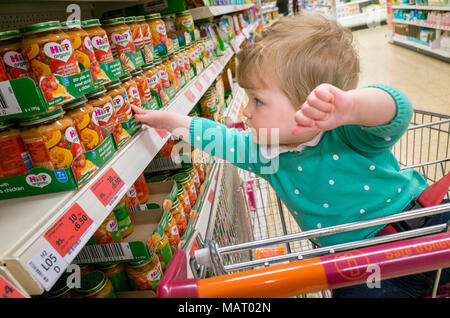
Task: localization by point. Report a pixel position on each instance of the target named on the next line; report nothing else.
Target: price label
(211, 196)
(199, 86)
(109, 189)
(206, 77)
(66, 233)
(194, 248)
(218, 67)
(8, 101)
(7, 290)
(162, 133)
(190, 96)
(212, 71)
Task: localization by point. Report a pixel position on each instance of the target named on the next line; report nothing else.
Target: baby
(323, 144)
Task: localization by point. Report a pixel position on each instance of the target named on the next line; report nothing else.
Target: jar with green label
(185, 180)
(162, 248)
(108, 232)
(145, 274)
(117, 275)
(95, 285)
(126, 225)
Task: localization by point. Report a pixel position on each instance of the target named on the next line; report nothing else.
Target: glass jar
(95, 284)
(178, 214)
(148, 42)
(154, 84)
(185, 22)
(13, 58)
(141, 189)
(136, 32)
(164, 81)
(116, 273)
(194, 175)
(132, 90)
(201, 171)
(86, 122)
(121, 40)
(131, 199)
(185, 201)
(15, 159)
(158, 31)
(51, 139)
(172, 233)
(181, 66)
(108, 232)
(163, 249)
(124, 221)
(60, 289)
(185, 180)
(145, 274)
(99, 40)
(143, 88)
(171, 72)
(121, 102)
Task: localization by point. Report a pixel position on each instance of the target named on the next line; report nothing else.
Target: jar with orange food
(172, 74)
(172, 233)
(50, 53)
(86, 122)
(13, 58)
(182, 67)
(108, 232)
(177, 70)
(141, 189)
(155, 85)
(106, 115)
(145, 274)
(15, 159)
(143, 88)
(121, 41)
(147, 37)
(136, 32)
(155, 100)
(159, 33)
(187, 64)
(132, 90)
(99, 40)
(121, 102)
(95, 284)
(194, 176)
(178, 214)
(51, 139)
(164, 81)
(84, 52)
(183, 197)
(163, 249)
(185, 180)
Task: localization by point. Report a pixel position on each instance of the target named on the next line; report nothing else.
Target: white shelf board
(422, 24)
(431, 8)
(399, 39)
(212, 11)
(363, 18)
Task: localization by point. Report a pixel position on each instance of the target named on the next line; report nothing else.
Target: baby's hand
(152, 118)
(326, 108)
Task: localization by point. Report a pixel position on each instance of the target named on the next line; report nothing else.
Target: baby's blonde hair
(299, 53)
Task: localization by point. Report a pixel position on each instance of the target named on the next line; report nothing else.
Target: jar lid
(91, 22)
(40, 27)
(113, 83)
(139, 263)
(189, 168)
(153, 16)
(147, 66)
(176, 203)
(139, 18)
(129, 19)
(11, 34)
(180, 188)
(6, 123)
(92, 283)
(77, 102)
(109, 265)
(136, 72)
(96, 92)
(183, 12)
(42, 117)
(59, 288)
(71, 24)
(182, 177)
(114, 21)
(125, 77)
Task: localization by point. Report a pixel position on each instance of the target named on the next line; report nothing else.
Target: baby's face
(270, 115)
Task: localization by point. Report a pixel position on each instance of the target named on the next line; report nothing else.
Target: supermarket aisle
(424, 79)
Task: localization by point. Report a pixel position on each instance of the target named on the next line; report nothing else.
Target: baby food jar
(60, 289)
(121, 40)
(84, 51)
(163, 249)
(145, 274)
(121, 102)
(131, 199)
(95, 284)
(183, 197)
(154, 84)
(147, 37)
(15, 159)
(13, 58)
(158, 31)
(194, 176)
(116, 274)
(86, 122)
(136, 32)
(185, 180)
(164, 82)
(141, 187)
(143, 88)
(201, 171)
(185, 22)
(132, 90)
(172, 233)
(124, 221)
(171, 74)
(108, 232)
(179, 216)
(181, 67)
(99, 40)
(51, 139)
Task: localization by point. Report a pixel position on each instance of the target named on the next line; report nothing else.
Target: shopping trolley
(424, 147)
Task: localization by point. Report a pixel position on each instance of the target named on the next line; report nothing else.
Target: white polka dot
(372, 167)
(300, 168)
(362, 211)
(198, 138)
(249, 168)
(335, 157)
(325, 205)
(331, 182)
(296, 191)
(387, 138)
(388, 200)
(319, 225)
(366, 187)
(218, 127)
(232, 149)
(399, 190)
(295, 212)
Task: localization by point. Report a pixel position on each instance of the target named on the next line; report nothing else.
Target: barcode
(164, 164)
(104, 253)
(137, 208)
(2, 101)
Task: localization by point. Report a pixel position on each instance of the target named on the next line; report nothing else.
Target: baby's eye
(258, 102)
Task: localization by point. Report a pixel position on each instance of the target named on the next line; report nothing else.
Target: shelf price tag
(199, 86)
(65, 235)
(211, 196)
(190, 96)
(109, 189)
(162, 133)
(206, 77)
(7, 290)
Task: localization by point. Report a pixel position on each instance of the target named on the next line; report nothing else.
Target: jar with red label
(106, 115)
(185, 180)
(51, 139)
(120, 99)
(141, 189)
(147, 50)
(15, 159)
(178, 214)
(131, 199)
(171, 73)
(185, 201)
(155, 85)
(132, 90)
(201, 172)
(50, 53)
(84, 52)
(99, 40)
(159, 33)
(143, 88)
(164, 82)
(121, 41)
(11, 54)
(136, 32)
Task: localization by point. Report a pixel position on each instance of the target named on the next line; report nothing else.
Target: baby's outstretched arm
(328, 107)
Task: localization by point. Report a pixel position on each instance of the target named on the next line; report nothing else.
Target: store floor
(425, 80)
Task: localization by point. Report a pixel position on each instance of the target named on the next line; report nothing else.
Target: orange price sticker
(190, 96)
(211, 196)
(161, 132)
(206, 77)
(66, 232)
(107, 188)
(8, 291)
(199, 86)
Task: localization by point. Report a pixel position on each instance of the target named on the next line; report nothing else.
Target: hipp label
(121, 39)
(59, 51)
(16, 60)
(72, 136)
(105, 113)
(100, 43)
(39, 181)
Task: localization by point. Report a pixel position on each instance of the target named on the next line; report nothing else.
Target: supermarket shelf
(422, 24)
(24, 222)
(441, 54)
(206, 12)
(431, 8)
(363, 18)
(352, 2)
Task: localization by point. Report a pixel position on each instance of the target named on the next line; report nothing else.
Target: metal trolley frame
(252, 217)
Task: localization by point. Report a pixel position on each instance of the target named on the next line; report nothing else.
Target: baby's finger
(313, 113)
(137, 110)
(323, 93)
(319, 104)
(302, 120)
